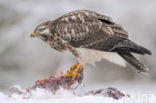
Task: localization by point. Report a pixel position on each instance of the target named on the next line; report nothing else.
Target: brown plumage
(90, 36)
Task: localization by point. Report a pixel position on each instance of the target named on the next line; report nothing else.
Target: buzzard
(90, 37)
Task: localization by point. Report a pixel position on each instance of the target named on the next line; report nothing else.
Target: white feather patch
(46, 31)
(92, 56)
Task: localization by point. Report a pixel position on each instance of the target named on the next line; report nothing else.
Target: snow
(85, 99)
(64, 96)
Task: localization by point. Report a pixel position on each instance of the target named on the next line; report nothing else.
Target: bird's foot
(74, 72)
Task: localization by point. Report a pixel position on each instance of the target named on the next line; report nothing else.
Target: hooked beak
(33, 34)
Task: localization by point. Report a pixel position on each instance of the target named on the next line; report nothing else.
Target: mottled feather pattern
(86, 28)
(118, 30)
(59, 44)
(80, 27)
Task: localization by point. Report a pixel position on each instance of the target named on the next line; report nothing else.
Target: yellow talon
(74, 71)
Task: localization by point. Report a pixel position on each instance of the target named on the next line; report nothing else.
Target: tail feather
(133, 61)
(129, 46)
(145, 51)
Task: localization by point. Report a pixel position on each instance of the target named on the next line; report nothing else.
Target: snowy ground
(86, 99)
(64, 96)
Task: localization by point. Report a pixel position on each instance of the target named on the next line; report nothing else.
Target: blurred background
(24, 60)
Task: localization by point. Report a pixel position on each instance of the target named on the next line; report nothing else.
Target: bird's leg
(74, 72)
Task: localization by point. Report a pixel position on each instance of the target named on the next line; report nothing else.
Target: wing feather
(88, 29)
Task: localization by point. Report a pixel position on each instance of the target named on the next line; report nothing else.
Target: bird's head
(42, 31)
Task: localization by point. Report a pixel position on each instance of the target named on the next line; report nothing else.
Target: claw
(74, 72)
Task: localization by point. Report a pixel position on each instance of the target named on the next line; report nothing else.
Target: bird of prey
(90, 37)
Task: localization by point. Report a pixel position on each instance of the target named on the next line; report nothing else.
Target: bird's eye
(40, 29)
